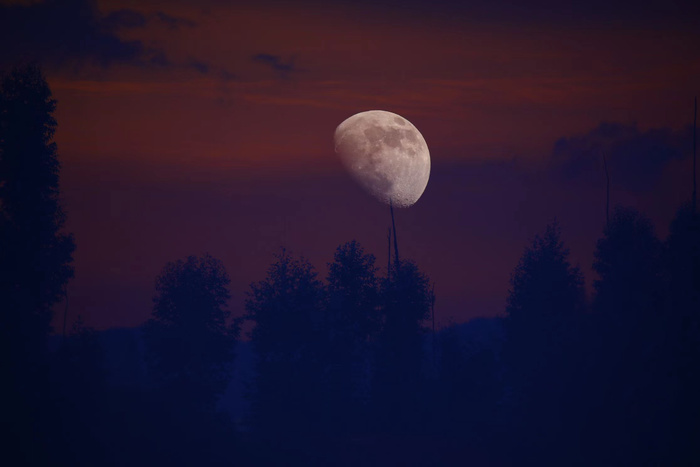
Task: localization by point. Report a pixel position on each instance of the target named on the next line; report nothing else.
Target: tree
(544, 288)
(35, 255)
(79, 390)
(288, 315)
(406, 298)
(79, 364)
(468, 384)
(628, 262)
(353, 292)
(190, 341)
(682, 265)
(545, 293)
(352, 322)
(632, 399)
(545, 300)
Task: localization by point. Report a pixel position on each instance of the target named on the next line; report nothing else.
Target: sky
(194, 127)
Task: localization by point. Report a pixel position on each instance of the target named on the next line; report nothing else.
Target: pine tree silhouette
(545, 301)
(35, 255)
(288, 315)
(189, 338)
(352, 324)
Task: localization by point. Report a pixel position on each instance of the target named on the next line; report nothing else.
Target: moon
(386, 154)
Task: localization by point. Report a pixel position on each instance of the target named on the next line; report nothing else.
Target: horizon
(226, 112)
(181, 180)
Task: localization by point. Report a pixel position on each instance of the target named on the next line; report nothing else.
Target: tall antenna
(388, 261)
(695, 126)
(432, 312)
(607, 192)
(393, 225)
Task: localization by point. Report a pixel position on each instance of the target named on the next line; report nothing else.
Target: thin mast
(607, 192)
(695, 185)
(432, 312)
(393, 225)
(388, 256)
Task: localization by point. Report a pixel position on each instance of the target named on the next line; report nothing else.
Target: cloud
(276, 63)
(62, 33)
(201, 67)
(227, 75)
(601, 12)
(636, 159)
(173, 22)
(124, 18)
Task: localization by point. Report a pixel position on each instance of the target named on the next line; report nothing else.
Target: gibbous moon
(386, 154)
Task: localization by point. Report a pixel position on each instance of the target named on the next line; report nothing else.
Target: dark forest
(343, 368)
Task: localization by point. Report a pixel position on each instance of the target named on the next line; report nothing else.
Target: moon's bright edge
(386, 154)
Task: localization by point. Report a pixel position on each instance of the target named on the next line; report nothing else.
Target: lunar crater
(386, 154)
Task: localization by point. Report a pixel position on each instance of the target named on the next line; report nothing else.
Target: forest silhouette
(345, 368)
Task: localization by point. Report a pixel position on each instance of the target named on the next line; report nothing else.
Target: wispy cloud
(68, 33)
(173, 22)
(276, 63)
(636, 159)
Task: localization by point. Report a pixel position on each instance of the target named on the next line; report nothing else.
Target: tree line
(346, 371)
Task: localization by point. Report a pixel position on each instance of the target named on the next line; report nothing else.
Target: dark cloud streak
(70, 33)
(173, 22)
(276, 63)
(124, 19)
(602, 13)
(636, 158)
(201, 67)
(63, 32)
